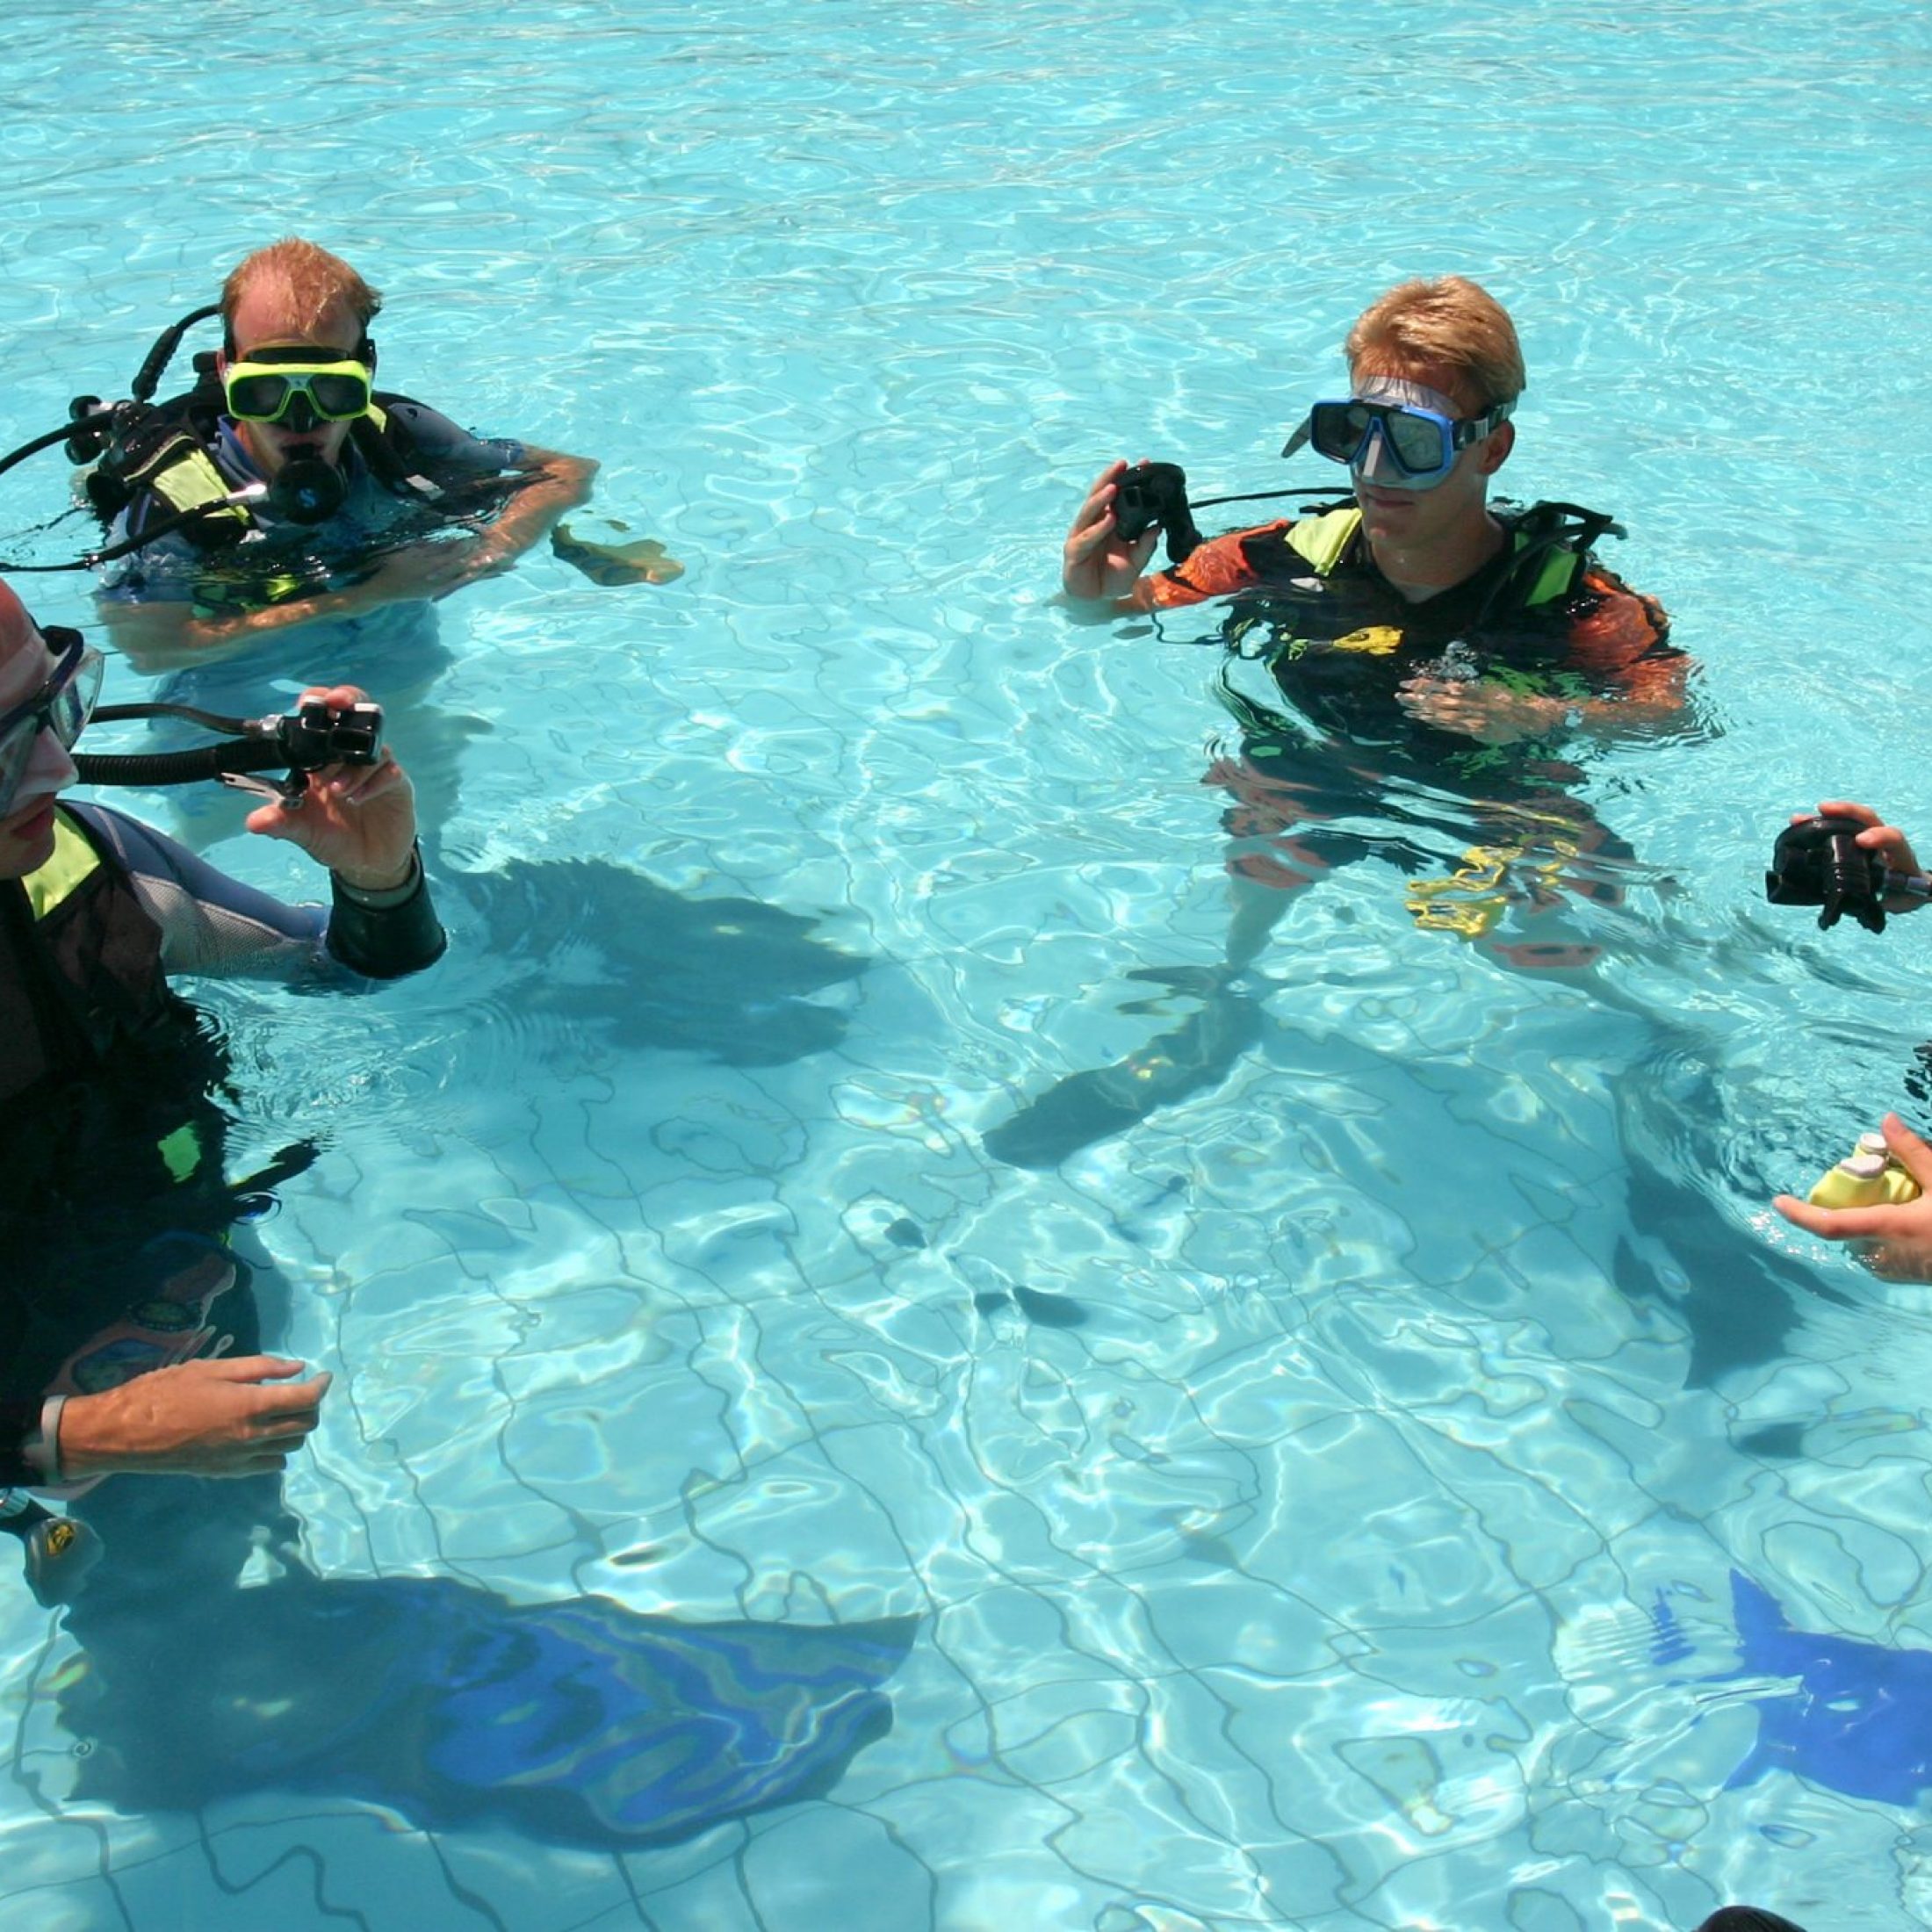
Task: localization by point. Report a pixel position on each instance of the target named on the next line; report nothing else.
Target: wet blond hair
(1448, 326)
(316, 282)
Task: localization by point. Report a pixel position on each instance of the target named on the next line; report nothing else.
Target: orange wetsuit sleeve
(1216, 568)
(1621, 638)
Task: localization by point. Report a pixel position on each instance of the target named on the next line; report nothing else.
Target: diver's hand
(1887, 842)
(1491, 713)
(1095, 563)
(358, 820)
(1897, 1237)
(236, 1416)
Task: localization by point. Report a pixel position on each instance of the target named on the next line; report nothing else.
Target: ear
(1494, 450)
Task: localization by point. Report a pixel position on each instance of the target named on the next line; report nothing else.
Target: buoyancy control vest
(1550, 546)
(110, 1141)
(80, 969)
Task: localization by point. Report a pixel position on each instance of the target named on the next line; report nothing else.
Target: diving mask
(1396, 428)
(62, 706)
(260, 391)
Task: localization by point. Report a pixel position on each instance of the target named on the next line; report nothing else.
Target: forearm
(1218, 567)
(384, 931)
(159, 638)
(1644, 706)
(556, 484)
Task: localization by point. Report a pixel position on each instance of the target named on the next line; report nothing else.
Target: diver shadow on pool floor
(601, 949)
(1094, 1105)
(576, 1722)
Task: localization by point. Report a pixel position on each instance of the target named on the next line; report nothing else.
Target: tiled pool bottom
(1322, 1504)
(1314, 1582)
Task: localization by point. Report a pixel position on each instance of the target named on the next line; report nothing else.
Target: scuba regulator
(1157, 493)
(1153, 494)
(1819, 862)
(298, 743)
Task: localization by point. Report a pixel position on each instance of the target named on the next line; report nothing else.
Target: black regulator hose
(147, 377)
(38, 442)
(238, 754)
(249, 493)
(317, 734)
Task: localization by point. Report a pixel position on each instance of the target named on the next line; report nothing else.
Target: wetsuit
(395, 648)
(110, 1141)
(409, 481)
(1544, 617)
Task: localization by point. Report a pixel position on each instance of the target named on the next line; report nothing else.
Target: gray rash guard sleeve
(215, 925)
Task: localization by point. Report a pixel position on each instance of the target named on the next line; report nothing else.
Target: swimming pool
(1321, 1502)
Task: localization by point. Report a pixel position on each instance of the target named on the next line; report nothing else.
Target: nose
(300, 414)
(50, 767)
(1372, 462)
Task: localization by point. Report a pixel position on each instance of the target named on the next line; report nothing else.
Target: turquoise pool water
(1286, 1488)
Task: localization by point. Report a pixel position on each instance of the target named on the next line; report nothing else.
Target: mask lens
(258, 399)
(1418, 442)
(63, 710)
(71, 707)
(336, 397)
(1337, 429)
(265, 395)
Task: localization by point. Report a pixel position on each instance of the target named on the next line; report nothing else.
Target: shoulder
(434, 438)
(209, 922)
(136, 848)
(1554, 544)
(1606, 612)
(106, 829)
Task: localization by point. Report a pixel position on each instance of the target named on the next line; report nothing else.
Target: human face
(1393, 514)
(264, 319)
(26, 832)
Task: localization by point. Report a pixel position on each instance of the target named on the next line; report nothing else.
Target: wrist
(41, 1449)
(380, 885)
(68, 1443)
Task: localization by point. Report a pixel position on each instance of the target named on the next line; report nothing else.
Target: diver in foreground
(126, 1342)
(1439, 660)
(360, 481)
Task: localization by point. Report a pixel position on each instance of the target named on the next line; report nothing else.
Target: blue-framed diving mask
(1395, 435)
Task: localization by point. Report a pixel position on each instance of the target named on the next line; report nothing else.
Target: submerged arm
(554, 483)
(170, 634)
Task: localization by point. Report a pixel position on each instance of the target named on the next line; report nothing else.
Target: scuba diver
(348, 485)
(1436, 657)
(126, 1330)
